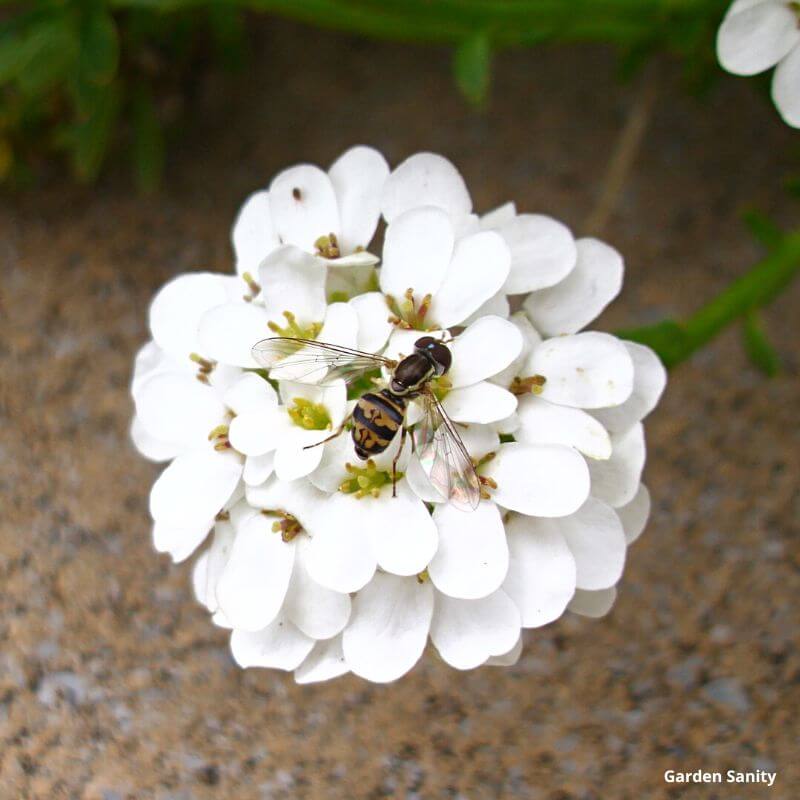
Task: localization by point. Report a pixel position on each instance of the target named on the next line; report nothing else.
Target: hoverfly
(379, 415)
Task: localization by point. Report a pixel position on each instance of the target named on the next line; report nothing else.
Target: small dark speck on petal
(297, 194)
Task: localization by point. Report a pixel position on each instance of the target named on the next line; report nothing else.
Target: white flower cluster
(312, 563)
(757, 35)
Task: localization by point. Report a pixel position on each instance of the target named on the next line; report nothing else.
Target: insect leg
(332, 436)
(395, 459)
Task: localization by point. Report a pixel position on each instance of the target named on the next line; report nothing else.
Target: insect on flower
(378, 416)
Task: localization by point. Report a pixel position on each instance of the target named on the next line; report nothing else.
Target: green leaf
(99, 56)
(763, 228)
(757, 346)
(89, 139)
(46, 53)
(148, 143)
(472, 63)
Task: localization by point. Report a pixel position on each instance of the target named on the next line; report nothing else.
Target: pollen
(485, 482)
(308, 415)
(367, 480)
(219, 437)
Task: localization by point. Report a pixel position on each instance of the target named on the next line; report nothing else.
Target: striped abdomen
(376, 419)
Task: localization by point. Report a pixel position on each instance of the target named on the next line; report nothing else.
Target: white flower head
(323, 562)
(757, 35)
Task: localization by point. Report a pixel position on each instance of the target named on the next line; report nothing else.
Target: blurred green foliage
(77, 76)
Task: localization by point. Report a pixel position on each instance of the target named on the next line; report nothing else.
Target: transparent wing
(318, 363)
(444, 458)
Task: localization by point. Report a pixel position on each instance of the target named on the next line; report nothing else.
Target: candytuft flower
(757, 35)
(321, 562)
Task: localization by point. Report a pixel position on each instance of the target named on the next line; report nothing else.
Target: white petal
(595, 537)
(479, 440)
(542, 252)
(298, 498)
(416, 253)
(477, 271)
(317, 611)
(425, 179)
(507, 659)
(546, 480)
(484, 402)
(467, 632)
(228, 333)
(616, 480)
(176, 408)
(340, 326)
(255, 433)
(341, 555)
(180, 540)
(303, 206)
(593, 604)
(586, 370)
(498, 217)
(258, 468)
(360, 259)
(373, 321)
(250, 393)
(575, 301)
(176, 310)
(218, 554)
(541, 572)
(279, 646)
(649, 381)
(634, 514)
(253, 236)
(149, 359)
(358, 177)
(472, 558)
(496, 306)
(150, 446)
(403, 535)
(541, 422)
(786, 87)
(756, 38)
(530, 341)
(324, 662)
(253, 585)
(200, 579)
(485, 348)
(294, 281)
(194, 487)
(388, 627)
(299, 453)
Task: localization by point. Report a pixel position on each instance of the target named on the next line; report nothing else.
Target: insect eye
(442, 356)
(425, 343)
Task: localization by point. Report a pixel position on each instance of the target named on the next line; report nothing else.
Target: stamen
(485, 482)
(223, 516)
(255, 288)
(530, 385)
(409, 315)
(308, 415)
(328, 246)
(205, 367)
(220, 438)
(293, 329)
(367, 480)
(288, 526)
(423, 576)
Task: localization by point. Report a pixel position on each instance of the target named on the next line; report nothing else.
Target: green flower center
(366, 480)
(294, 330)
(441, 387)
(308, 415)
(410, 314)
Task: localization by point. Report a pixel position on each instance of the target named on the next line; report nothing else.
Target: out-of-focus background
(113, 682)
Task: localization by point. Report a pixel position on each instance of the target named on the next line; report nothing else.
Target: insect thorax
(410, 374)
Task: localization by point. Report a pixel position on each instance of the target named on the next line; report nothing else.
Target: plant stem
(677, 341)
